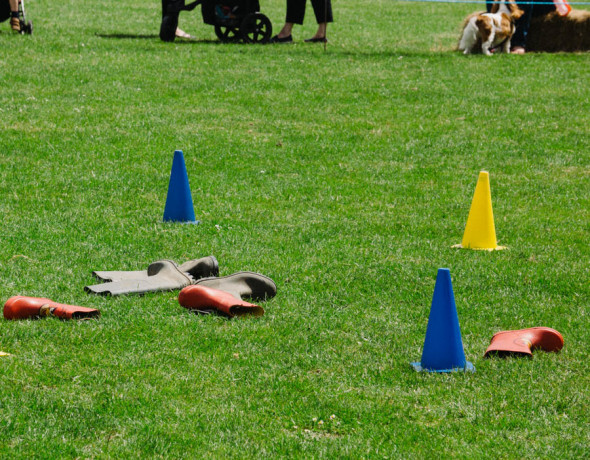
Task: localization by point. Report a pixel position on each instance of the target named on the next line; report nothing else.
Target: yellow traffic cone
(480, 232)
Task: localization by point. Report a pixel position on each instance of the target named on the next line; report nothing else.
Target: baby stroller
(5, 13)
(236, 20)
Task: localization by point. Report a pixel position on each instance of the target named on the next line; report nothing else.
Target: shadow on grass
(297, 49)
(178, 41)
(124, 36)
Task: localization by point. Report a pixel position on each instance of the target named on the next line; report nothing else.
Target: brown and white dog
(490, 30)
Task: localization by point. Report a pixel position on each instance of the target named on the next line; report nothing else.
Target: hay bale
(552, 33)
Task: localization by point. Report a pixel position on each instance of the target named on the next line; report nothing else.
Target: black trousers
(321, 8)
(174, 6)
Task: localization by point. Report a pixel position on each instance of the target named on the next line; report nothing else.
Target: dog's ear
(480, 23)
(515, 11)
(484, 24)
(495, 6)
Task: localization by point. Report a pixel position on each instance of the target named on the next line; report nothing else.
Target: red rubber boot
(524, 341)
(22, 307)
(203, 298)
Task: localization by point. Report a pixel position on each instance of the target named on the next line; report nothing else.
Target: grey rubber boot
(198, 268)
(163, 275)
(242, 284)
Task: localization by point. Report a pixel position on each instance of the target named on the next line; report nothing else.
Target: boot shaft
(524, 341)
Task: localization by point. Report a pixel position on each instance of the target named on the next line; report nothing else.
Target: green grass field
(346, 175)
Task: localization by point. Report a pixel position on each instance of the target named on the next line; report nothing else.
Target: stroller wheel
(227, 34)
(256, 28)
(28, 28)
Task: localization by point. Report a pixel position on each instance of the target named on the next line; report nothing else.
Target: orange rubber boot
(204, 298)
(524, 341)
(22, 307)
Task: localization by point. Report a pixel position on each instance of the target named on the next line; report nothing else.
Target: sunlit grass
(345, 175)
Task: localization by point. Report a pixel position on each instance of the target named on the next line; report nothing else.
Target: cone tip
(444, 274)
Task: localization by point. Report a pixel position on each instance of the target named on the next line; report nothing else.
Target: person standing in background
(171, 9)
(295, 14)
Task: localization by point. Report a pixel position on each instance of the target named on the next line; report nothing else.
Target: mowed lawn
(345, 175)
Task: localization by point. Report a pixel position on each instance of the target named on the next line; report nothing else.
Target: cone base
(469, 367)
(188, 222)
(497, 248)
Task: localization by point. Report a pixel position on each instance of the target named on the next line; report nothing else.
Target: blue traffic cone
(443, 348)
(179, 203)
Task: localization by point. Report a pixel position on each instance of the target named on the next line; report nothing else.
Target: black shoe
(317, 40)
(276, 39)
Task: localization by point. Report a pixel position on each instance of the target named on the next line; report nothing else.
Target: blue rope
(483, 2)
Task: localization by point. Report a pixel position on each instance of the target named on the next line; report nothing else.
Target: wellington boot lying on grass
(207, 300)
(523, 341)
(22, 307)
(163, 275)
(243, 284)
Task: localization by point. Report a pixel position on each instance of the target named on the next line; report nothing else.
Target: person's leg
(169, 23)
(518, 41)
(14, 19)
(182, 34)
(322, 10)
(522, 24)
(323, 14)
(295, 15)
(295, 11)
(286, 30)
(177, 6)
